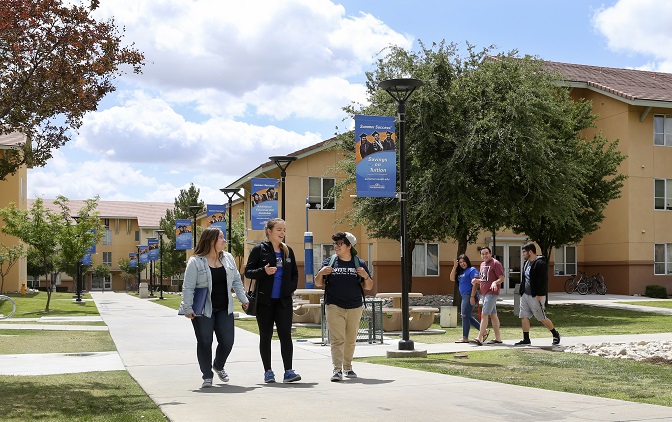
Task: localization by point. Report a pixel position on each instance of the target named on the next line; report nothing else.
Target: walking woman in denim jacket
(271, 263)
(215, 269)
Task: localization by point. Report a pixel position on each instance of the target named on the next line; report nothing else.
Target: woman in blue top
(465, 273)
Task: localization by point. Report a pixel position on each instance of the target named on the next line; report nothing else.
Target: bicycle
(595, 284)
(6, 303)
(572, 282)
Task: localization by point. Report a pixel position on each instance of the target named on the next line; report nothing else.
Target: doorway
(511, 256)
(101, 283)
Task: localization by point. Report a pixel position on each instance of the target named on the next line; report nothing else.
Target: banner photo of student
(376, 156)
(132, 262)
(264, 198)
(215, 215)
(144, 254)
(153, 245)
(183, 240)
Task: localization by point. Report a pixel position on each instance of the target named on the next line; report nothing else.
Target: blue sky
(228, 84)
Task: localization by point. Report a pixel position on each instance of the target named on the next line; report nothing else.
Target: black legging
(267, 314)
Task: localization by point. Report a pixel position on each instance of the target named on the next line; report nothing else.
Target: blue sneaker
(291, 376)
(269, 376)
(350, 374)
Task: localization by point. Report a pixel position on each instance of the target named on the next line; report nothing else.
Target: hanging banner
(376, 156)
(153, 245)
(86, 259)
(144, 254)
(215, 215)
(132, 262)
(183, 240)
(264, 200)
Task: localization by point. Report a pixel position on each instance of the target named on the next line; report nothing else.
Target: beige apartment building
(632, 248)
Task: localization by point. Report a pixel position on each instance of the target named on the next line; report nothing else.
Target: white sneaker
(223, 376)
(207, 383)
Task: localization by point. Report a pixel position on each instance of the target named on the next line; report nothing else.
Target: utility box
(144, 291)
(448, 317)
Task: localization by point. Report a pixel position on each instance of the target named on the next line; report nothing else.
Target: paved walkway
(158, 349)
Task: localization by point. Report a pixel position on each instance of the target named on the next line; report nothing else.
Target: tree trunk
(46, 308)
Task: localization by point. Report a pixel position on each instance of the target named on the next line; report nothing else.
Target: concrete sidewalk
(158, 349)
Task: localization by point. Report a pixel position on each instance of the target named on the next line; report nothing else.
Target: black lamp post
(229, 192)
(138, 267)
(283, 161)
(79, 269)
(195, 209)
(400, 90)
(160, 234)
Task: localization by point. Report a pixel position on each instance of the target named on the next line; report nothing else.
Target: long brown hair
(269, 227)
(209, 235)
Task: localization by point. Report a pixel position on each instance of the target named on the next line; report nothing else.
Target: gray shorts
(529, 305)
(489, 304)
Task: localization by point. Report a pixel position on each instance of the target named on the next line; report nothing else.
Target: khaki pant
(343, 325)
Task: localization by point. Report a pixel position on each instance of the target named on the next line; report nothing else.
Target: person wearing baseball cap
(344, 277)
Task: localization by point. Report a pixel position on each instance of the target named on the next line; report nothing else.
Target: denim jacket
(198, 274)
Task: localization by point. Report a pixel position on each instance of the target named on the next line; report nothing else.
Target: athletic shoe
(269, 376)
(291, 376)
(222, 375)
(338, 376)
(523, 343)
(350, 374)
(556, 340)
(207, 383)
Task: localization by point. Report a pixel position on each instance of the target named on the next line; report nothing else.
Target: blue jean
(467, 319)
(221, 323)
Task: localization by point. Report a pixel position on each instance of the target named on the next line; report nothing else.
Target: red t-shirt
(490, 272)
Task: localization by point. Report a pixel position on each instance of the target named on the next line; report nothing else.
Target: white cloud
(639, 26)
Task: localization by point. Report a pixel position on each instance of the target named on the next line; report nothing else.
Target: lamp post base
(406, 353)
(406, 344)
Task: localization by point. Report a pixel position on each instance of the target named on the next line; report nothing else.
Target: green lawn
(50, 341)
(33, 305)
(620, 379)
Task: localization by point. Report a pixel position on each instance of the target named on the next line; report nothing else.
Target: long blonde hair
(269, 226)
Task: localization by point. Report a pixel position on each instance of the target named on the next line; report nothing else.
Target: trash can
(448, 317)
(516, 300)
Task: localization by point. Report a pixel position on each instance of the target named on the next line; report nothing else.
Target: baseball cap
(352, 241)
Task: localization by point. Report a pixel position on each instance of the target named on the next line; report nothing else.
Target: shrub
(654, 290)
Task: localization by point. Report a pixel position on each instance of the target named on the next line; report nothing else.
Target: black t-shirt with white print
(344, 284)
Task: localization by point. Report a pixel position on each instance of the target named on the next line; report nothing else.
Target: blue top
(277, 277)
(464, 279)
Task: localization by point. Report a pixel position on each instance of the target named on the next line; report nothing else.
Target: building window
(107, 258)
(321, 251)
(662, 194)
(662, 130)
(318, 193)
(107, 237)
(565, 260)
(137, 235)
(426, 259)
(662, 259)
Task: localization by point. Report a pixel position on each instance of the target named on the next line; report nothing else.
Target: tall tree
(238, 238)
(129, 273)
(9, 255)
(56, 63)
(486, 137)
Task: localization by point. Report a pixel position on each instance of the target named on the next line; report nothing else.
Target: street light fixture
(79, 268)
(229, 192)
(195, 209)
(160, 234)
(400, 90)
(283, 161)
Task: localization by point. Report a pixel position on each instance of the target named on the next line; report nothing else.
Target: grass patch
(91, 323)
(620, 379)
(653, 303)
(32, 305)
(103, 396)
(49, 341)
